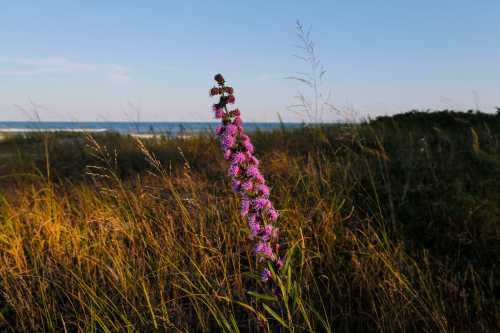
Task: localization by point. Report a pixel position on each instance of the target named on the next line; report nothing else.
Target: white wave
(29, 130)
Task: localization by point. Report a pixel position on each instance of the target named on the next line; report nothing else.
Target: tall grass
(390, 226)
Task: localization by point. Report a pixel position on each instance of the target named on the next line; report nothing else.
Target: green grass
(389, 226)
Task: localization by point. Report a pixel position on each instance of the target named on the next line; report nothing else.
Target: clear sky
(112, 60)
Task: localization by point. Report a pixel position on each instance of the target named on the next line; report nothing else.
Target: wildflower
(214, 91)
(280, 263)
(219, 112)
(253, 160)
(219, 129)
(247, 186)
(247, 180)
(227, 154)
(234, 170)
(228, 141)
(268, 232)
(274, 235)
(239, 157)
(245, 207)
(261, 203)
(236, 185)
(231, 130)
(252, 219)
(254, 229)
(252, 171)
(259, 179)
(272, 214)
(265, 275)
(264, 249)
(248, 146)
(237, 121)
(263, 190)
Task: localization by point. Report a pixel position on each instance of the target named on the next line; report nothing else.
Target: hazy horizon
(116, 60)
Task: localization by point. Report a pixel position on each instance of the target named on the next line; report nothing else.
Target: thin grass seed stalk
(247, 180)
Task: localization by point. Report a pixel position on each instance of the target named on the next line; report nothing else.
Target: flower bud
(219, 78)
(214, 91)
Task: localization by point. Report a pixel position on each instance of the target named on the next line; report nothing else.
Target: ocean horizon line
(164, 127)
(143, 121)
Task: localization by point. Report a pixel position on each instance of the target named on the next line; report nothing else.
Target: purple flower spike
(247, 181)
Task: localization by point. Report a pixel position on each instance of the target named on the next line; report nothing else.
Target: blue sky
(114, 60)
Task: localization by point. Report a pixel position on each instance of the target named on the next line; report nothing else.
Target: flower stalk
(247, 180)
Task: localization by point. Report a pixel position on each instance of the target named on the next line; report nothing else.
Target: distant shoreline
(31, 130)
(6, 133)
(136, 128)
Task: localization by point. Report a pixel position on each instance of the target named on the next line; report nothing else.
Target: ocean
(166, 128)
